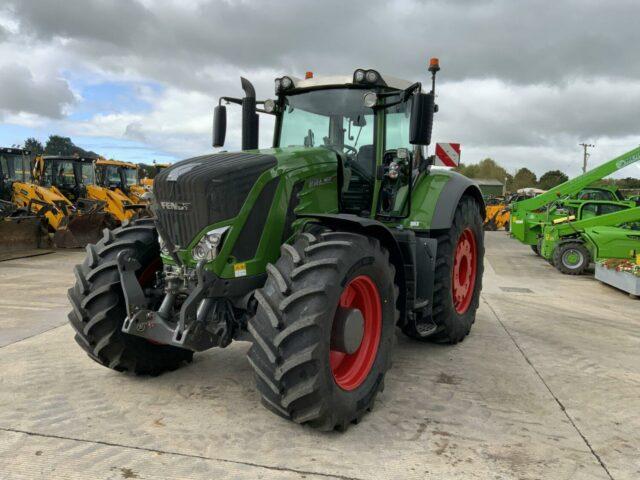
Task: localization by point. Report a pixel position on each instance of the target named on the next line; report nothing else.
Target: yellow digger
(157, 167)
(86, 182)
(129, 183)
(19, 228)
(34, 192)
(117, 184)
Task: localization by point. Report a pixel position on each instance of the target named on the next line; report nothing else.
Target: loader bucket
(80, 230)
(22, 233)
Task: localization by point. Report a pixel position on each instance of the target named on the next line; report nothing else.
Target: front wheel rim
(351, 370)
(572, 258)
(465, 267)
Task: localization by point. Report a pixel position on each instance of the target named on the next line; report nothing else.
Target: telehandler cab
(314, 250)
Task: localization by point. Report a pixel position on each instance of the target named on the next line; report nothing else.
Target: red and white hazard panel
(448, 154)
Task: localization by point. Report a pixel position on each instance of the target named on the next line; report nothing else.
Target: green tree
(487, 168)
(34, 146)
(551, 179)
(523, 178)
(58, 145)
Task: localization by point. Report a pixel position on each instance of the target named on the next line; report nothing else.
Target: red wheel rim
(465, 260)
(350, 370)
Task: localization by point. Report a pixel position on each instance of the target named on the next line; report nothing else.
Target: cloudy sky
(522, 82)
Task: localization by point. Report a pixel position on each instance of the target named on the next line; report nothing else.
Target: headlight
(358, 76)
(371, 76)
(278, 85)
(209, 245)
(269, 106)
(370, 99)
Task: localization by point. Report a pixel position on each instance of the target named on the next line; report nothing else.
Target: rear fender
(434, 199)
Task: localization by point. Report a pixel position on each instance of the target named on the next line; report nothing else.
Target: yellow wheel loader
(32, 192)
(112, 186)
(19, 228)
(148, 182)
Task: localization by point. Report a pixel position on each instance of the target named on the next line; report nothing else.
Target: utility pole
(586, 155)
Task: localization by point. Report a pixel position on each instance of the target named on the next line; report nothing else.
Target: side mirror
(421, 122)
(219, 125)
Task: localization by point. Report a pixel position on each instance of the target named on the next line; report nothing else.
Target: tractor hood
(200, 191)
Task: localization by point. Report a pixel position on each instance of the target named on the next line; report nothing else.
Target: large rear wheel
(324, 329)
(458, 275)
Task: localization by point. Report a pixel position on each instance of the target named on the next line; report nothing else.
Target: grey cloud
(21, 92)
(532, 42)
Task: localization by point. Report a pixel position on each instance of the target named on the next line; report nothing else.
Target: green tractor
(314, 250)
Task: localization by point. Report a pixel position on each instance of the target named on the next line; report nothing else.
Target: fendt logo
(180, 206)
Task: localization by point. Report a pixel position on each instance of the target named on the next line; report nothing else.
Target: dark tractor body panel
(204, 190)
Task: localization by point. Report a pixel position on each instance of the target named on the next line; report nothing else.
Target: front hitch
(188, 332)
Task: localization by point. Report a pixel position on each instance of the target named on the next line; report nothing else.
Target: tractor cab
(70, 175)
(375, 124)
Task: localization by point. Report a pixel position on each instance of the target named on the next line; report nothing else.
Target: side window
(397, 129)
(358, 130)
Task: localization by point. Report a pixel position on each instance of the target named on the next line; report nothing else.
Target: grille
(200, 191)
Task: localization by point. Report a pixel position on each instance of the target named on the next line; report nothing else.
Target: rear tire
(455, 320)
(99, 308)
(571, 258)
(298, 374)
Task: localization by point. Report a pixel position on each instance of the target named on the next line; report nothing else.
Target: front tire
(571, 258)
(99, 308)
(300, 373)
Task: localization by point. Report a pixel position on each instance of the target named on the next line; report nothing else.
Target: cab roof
(346, 81)
(14, 151)
(68, 157)
(117, 163)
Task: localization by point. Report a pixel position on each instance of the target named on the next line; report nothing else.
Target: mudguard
(434, 199)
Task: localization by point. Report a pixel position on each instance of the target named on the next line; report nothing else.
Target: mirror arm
(237, 101)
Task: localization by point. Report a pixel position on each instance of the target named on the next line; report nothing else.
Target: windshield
(109, 175)
(60, 174)
(87, 173)
(14, 167)
(334, 118)
(131, 176)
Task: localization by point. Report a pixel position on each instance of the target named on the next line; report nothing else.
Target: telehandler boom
(528, 217)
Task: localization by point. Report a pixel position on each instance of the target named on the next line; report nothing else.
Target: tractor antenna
(434, 66)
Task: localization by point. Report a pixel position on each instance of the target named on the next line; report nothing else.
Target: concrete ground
(547, 386)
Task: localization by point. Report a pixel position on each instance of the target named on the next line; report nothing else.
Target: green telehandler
(314, 250)
(572, 245)
(567, 200)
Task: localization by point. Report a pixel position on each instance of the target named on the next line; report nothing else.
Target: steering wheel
(342, 146)
(350, 148)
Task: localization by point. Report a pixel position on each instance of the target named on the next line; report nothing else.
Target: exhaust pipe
(250, 123)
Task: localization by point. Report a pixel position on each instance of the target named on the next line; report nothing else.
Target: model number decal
(317, 182)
